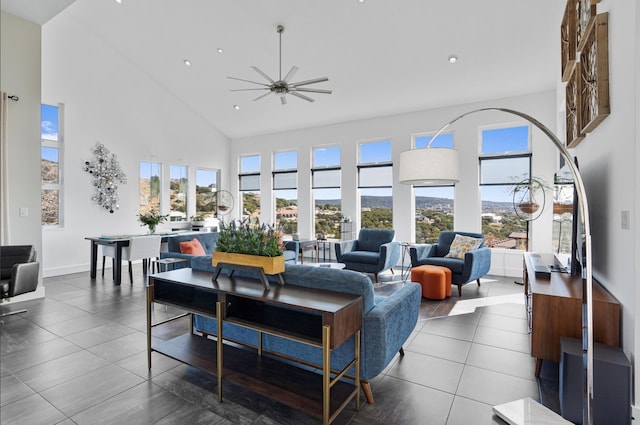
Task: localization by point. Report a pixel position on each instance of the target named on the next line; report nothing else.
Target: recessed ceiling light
(360, 1)
(236, 107)
(187, 62)
(119, 1)
(220, 50)
(453, 59)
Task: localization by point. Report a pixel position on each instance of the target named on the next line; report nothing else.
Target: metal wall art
(106, 173)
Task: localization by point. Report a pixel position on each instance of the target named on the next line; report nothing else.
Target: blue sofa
(388, 320)
(209, 240)
(476, 263)
(373, 252)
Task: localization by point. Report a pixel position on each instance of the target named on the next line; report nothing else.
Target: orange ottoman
(435, 281)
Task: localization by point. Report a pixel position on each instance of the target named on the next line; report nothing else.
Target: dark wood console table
(320, 318)
(554, 309)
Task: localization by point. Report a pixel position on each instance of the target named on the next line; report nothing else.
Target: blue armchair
(373, 252)
(475, 264)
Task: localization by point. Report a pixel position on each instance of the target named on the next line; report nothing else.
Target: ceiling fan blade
(301, 96)
(261, 88)
(290, 74)
(308, 90)
(283, 100)
(313, 81)
(263, 74)
(248, 81)
(262, 95)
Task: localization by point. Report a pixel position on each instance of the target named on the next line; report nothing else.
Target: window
(51, 164)
(434, 204)
(250, 187)
(504, 162)
(327, 199)
(285, 190)
(206, 190)
(375, 179)
(178, 189)
(150, 187)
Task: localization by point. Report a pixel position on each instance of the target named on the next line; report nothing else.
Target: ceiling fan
(284, 86)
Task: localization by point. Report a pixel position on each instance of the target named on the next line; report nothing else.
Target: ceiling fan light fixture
(283, 86)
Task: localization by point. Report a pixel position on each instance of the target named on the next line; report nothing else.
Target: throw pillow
(193, 247)
(461, 245)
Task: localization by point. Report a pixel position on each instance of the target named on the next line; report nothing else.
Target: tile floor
(79, 357)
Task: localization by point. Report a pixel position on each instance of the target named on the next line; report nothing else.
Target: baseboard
(635, 414)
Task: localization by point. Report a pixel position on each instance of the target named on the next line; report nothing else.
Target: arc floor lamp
(438, 166)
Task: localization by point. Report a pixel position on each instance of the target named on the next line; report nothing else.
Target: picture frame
(594, 74)
(573, 104)
(568, 40)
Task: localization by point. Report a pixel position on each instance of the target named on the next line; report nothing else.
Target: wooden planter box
(270, 265)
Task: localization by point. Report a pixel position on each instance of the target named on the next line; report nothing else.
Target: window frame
(511, 183)
(386, 163)
(58, 144)
(142, 208)
(316, 190)
(288, 230)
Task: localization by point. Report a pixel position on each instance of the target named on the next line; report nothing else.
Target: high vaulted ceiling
(382, 57)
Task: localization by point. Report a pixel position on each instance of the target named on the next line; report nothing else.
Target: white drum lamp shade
(429, 167)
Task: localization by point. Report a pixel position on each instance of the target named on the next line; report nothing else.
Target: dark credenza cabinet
(319, 318)
(554, 310)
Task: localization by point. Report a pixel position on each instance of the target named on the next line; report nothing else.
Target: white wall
(106, 99)
(20, 76)
(399, 129)
(608, 159)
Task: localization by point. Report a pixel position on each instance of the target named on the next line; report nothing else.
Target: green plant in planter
(529, 194)
(152, 219)
(251, 239)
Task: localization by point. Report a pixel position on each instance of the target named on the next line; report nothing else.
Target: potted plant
(252, 245)
(529, 193)
(197, 220)
(151, 220)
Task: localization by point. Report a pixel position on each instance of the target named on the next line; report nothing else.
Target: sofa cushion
(454, 264)
(192, 247)
(461, 245)
(366, 257)
(208, 240)
(371, 239)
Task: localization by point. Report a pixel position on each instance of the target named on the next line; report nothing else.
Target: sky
(49, 130)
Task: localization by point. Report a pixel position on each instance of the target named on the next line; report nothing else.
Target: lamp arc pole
(587, 281)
